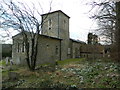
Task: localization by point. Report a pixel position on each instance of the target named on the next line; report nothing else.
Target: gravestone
(11, 62)
(13, 75)
(7, 60)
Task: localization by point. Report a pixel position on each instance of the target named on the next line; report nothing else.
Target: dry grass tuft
(26, 72)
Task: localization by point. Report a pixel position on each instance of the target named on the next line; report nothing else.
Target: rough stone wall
(76, 50)
(48, 50)
(64, 34)
(53, 29)
(92, 51)
(85, 50)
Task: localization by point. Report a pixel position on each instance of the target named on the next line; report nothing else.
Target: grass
(67, 61)
(70, 73)
(2, 63)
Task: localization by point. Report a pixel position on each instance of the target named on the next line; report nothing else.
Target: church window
(18, 46)
(23, 47)
(56, 50)
(68, 50)
(64, 23)
(47, 45)
(49, 24)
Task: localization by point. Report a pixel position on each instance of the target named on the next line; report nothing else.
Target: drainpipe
(58, 26)
(60, 49)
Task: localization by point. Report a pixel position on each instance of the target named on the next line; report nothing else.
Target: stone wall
(64, 34)
(50, 25)
(80, 49)
(76, 48)
(48, 50)
(92, 51)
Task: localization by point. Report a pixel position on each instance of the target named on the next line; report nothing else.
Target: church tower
(56, 24)
(92, 38)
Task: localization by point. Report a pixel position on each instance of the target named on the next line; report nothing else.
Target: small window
(56, 50)
(64, 24)
(47, 45)
(49, 24)
(64, 21)
(23, 47)
(68, 50)
(18, 46)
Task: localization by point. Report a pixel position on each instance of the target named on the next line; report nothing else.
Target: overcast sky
(80, 24)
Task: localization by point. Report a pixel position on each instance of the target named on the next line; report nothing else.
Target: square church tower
(56, 24)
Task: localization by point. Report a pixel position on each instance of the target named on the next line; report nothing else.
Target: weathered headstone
(11, 62)
(13, 75)
(7, 60)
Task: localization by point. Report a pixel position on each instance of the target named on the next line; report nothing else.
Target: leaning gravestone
(11, 62)
(7, 60)
(13, 75)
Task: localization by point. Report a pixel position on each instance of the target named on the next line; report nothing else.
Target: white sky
(80, 24)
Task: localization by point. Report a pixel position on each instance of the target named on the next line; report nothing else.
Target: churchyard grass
(67, 61)
(70, 73)
(2, 63)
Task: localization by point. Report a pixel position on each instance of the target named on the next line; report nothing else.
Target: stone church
(54, 42)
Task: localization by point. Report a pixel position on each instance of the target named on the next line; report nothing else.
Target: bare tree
(28, 22)
(117, 33)
(105, 17)
(109, 21)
